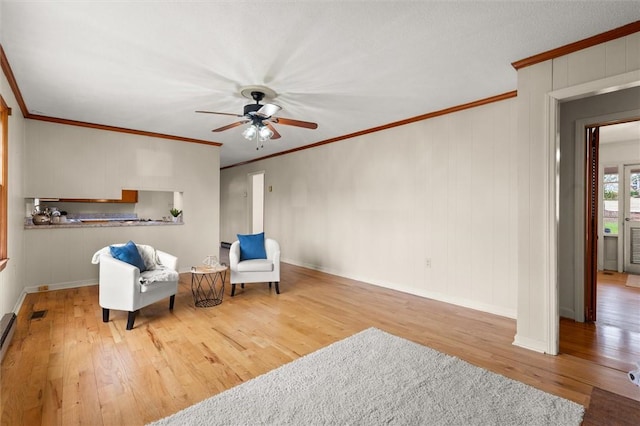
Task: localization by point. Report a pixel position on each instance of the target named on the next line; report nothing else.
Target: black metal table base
(208, 288)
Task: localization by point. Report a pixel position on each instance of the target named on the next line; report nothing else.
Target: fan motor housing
(251, 108)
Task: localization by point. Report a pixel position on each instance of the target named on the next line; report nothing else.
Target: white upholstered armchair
(255, 270)
(123, 287)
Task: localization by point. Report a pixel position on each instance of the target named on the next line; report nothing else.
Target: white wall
(619, 153)
(584, 73)
(12, 278)
(61, 257)
(376, 207)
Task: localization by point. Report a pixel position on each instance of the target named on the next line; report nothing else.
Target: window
(5, 111)
(610, 188)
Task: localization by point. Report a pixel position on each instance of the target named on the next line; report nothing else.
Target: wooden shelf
(128, 196)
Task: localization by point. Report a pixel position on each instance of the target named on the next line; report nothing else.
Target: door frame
(591, 212)
(552, 100)
(626, 251)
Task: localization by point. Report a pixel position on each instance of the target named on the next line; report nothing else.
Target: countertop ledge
(103, 224)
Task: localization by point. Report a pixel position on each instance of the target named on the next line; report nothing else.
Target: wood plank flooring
(69, 368)
(614, 339)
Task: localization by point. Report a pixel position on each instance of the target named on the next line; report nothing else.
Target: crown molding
(8, 72)
(619, 32)
(469, 105)
(6, 68)
(118, 129)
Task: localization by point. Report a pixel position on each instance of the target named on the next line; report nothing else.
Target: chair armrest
(168, 260)
(234, 255)
(276, 262)
(273, 253)
(119, 283)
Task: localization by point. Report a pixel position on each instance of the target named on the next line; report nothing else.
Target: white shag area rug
(374, 378)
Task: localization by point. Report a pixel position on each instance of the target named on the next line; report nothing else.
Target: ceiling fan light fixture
(250, 132)
(265, 133)
(260, 117)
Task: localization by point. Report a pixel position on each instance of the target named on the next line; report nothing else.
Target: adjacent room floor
(614, 339)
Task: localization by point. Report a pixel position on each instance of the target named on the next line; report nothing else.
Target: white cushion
(255, 265)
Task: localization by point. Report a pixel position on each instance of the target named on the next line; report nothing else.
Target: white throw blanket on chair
(156, 272)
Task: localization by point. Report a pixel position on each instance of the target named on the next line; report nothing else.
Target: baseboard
(20, 301)
(531, 344)
(62, 286)
(7, 328)
(567, 313)
(453, 300)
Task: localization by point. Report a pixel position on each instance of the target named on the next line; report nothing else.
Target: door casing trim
(553, 99)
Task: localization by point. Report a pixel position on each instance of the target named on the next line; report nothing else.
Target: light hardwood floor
(70, 368)
(614, 339)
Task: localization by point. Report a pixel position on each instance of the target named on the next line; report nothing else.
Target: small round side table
(207, 285)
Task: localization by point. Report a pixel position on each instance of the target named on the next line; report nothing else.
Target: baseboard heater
(225, 245)
(7, 327)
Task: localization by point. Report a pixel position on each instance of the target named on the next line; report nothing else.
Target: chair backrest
(271, 247)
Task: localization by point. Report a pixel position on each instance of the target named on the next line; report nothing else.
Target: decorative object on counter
(55, 216)
(176, 214)
(41, 215)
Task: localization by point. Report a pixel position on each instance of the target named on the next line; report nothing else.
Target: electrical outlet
(427, 262)
(43, 288)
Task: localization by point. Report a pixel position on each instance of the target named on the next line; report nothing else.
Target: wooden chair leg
(105, 315)
(130, 319)
(172, 300)
(242, 285)
(233, 290)
(277, 287)
(269, 284)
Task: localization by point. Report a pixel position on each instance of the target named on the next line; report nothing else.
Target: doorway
(609, 182)
(612, 210)
(256, 201)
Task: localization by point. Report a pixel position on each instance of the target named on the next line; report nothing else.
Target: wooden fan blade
(297, 123)
(230, 126)
(220, 113)
(268, 110)
(276, 135)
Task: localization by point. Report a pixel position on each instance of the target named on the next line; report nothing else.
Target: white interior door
(632, 219)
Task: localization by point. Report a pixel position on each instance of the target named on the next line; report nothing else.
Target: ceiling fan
(261, 119)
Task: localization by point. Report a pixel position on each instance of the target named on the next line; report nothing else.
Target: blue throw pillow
(128, 253)
(252, 246)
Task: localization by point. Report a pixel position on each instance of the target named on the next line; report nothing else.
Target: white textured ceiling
(347, 65)
(623, 132)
